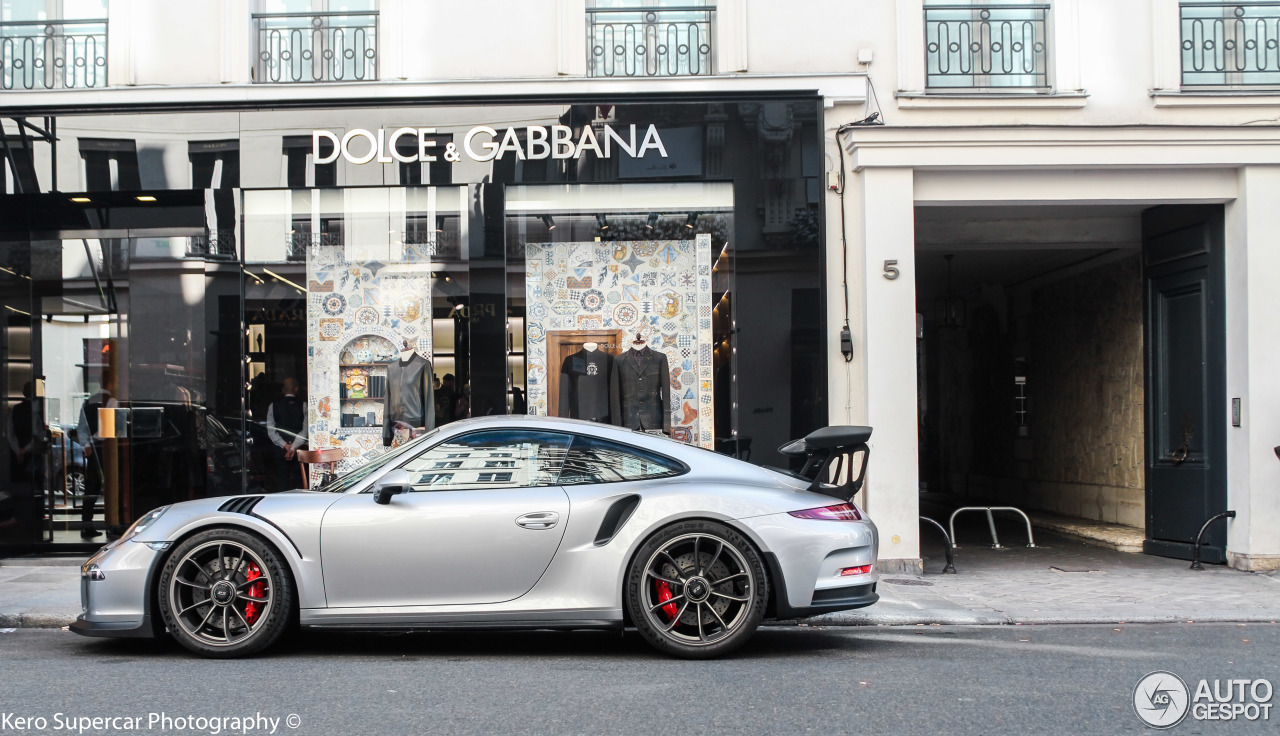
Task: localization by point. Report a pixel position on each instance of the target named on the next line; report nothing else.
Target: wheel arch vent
(240, 504)
(615, 517)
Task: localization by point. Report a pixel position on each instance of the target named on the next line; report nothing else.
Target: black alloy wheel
(225, 593)
(697, 589)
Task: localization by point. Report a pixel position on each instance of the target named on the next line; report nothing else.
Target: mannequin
(409, 405)
(640, 388)
(585, 384)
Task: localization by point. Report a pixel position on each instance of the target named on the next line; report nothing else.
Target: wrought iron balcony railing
(53, 54)
(649, 42)
(316, 47)
(1230, 44)
(986, 47)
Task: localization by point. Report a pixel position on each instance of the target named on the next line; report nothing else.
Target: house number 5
(891, 269)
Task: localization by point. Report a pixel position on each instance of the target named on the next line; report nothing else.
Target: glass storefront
(207, 294)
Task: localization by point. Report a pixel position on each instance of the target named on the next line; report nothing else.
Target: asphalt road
(912, 680)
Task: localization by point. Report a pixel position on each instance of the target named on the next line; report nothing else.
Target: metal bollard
(991, 522)
(1195, 555)
(947, 545)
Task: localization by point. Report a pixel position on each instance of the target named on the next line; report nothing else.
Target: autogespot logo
(1161, 699)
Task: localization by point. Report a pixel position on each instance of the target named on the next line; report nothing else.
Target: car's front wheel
(697, 589)
(225, 593)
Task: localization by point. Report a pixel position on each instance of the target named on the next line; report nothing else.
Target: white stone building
(1050, 236)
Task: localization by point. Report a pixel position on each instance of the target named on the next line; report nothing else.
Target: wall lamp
(692, 221)
(653, 220)
(602, 222)
(549, 222)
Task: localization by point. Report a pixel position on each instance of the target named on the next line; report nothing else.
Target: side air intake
(617, 515)
(240, 504)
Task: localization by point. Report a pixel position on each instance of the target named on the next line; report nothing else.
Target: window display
(644, 307)
(410, 408)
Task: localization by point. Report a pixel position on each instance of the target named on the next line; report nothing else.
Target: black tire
(225, 593)
(714, 580)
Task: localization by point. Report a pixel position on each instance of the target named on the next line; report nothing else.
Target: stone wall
(1082, 454)
(1086, 386)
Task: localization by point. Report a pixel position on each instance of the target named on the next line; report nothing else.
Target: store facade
(169, 277)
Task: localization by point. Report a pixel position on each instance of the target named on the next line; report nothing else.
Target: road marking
(1082, 651)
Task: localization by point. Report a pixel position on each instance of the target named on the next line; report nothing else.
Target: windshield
(348, 481)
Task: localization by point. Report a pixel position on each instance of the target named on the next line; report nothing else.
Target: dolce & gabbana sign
(482, 143)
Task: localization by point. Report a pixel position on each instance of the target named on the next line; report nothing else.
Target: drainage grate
(1059, 568)
(904, 581)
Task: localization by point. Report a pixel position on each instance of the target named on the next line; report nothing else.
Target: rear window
(593, 460)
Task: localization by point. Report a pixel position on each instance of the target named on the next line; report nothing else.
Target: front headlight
(147, 520)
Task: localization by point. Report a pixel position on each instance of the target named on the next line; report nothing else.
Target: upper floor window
(992, 45)
(315, 41)
(53, 44)
(649, 38)
(1225, 44)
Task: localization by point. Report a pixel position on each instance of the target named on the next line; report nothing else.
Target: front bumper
(119, 604)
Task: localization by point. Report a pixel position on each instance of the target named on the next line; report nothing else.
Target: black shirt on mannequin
(584, 385)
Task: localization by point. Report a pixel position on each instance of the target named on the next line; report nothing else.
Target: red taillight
(859, 570)
(839, 512)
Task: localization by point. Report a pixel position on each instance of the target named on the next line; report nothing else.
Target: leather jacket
(410, 396)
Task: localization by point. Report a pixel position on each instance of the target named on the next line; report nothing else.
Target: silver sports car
(505, 522)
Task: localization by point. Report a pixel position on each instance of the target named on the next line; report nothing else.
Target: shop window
(110, 165)
(20, 175)
(300, 167)
(622, 299)
(377, 299)
(537, 460)
(436, 172)
(214, 164)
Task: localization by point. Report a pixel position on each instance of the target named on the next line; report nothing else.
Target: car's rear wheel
(225, 593)
(697, 589)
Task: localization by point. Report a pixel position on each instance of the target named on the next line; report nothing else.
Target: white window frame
(1063, 65)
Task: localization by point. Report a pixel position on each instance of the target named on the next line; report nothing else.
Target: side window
(492, 459)
(592, 460)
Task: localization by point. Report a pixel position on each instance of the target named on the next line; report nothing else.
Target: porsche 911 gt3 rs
(505, 522)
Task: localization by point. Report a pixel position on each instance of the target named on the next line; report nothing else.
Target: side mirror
(395, 482)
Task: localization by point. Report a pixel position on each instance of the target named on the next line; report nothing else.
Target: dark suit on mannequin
(641, 390)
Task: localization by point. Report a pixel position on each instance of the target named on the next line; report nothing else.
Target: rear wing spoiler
(829, 455)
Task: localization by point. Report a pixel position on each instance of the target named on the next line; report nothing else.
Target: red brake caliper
(256, 590)
(664, 595)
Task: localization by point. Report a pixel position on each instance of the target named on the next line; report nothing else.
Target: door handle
(538, 520)
(1179, 456)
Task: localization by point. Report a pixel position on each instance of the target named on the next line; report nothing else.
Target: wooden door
(563, 343)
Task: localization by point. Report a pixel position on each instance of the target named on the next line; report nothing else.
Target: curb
(35, 620)
(39, 620)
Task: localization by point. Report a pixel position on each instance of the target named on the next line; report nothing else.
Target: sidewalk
(1060, 581)
(39, 593)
